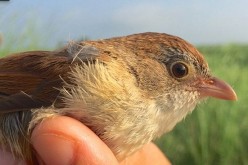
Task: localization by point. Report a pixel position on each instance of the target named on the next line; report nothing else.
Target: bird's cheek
(214, 87)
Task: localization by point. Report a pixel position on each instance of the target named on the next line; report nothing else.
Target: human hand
(63, 140)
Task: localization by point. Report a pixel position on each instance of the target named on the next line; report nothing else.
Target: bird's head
(167, 63)
(172, 72)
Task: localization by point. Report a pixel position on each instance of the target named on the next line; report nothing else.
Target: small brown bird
(129, 90)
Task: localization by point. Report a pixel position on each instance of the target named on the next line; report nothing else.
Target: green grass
(217, 131)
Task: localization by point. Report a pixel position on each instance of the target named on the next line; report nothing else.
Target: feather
(31, 80)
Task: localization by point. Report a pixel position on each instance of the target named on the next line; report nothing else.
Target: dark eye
(179, 70)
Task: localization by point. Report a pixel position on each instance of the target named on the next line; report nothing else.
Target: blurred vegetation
(216, 132)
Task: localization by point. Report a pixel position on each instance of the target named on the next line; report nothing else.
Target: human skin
(63, 141)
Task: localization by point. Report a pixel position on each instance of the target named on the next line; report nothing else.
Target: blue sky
(198, 21)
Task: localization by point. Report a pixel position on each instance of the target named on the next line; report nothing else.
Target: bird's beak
(214, 87)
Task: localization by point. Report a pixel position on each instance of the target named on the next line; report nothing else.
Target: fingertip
(63, 140)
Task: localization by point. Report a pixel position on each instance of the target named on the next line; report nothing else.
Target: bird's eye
(179, 70)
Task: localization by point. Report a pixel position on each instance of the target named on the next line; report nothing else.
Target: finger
(65, 141)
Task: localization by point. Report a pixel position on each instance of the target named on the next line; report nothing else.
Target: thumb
(64, 141)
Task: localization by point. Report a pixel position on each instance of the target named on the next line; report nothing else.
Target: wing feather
(31, 79)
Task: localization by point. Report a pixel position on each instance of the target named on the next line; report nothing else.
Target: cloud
(197, 22)
(141, 16)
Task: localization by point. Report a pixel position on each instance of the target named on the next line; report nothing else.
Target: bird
(128, 90)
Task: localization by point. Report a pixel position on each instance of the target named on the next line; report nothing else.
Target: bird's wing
(31, 79)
